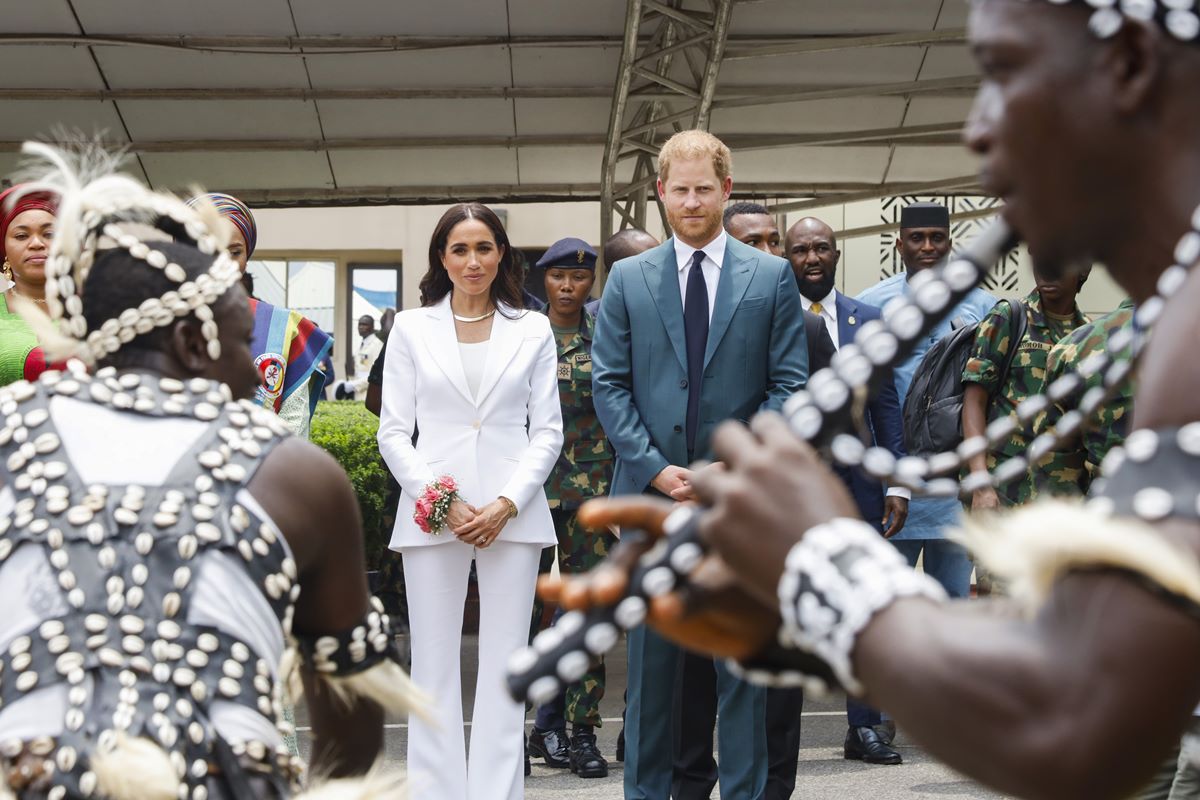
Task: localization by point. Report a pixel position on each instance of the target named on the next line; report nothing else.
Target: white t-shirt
(474, 359)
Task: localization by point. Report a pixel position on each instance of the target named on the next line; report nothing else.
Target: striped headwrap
(237, 213)
(1180, 18)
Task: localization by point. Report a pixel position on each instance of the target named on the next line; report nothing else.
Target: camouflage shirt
(1079, 460)
(585, 465)
(1026, 377)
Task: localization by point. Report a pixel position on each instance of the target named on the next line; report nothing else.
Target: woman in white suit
(476, 376)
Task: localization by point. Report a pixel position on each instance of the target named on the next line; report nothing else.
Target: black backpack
(933, 407)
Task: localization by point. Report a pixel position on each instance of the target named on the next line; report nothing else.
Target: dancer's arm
(1085, 700)
(310, 499)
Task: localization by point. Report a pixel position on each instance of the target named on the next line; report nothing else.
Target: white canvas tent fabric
(305, 101)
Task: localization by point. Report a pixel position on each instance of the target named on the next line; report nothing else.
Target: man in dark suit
(752, 224)
(811, 248)
(691, 333)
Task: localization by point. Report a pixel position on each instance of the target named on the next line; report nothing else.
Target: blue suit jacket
(883, 413)
(756, 356)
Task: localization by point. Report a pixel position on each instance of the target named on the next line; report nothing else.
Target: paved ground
(823, 773)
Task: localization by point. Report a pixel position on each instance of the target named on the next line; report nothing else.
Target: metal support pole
(652, 98)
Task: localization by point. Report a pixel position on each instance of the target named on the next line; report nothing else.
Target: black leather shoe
(528, 766)
(586, 761)
(551, 746)
(864, 744)
(620, 756)
(886, 731)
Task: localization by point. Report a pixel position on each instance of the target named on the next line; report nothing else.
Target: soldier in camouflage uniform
(583, 471)
(1074, 464)
(1051, 313)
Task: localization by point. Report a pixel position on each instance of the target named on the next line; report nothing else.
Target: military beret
(569, 253)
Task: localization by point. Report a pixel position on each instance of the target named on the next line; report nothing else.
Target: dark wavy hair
(510, 277)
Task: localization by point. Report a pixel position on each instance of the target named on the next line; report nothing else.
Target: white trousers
(436, 582)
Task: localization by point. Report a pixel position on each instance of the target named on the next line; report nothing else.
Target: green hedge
(346, 430)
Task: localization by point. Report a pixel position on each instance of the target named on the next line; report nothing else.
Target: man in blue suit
(752, 224)
(811, 248)
(696, 331)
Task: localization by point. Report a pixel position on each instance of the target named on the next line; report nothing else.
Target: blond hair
(693, 144)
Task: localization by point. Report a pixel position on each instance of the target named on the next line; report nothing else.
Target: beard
(698, 230)
(815, 290)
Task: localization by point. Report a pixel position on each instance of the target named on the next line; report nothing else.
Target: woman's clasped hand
(478, 527)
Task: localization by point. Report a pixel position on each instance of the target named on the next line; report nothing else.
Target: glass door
(374, 289)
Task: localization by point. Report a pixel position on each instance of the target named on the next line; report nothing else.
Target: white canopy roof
(315, 102)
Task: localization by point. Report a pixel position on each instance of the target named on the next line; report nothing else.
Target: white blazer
(504, 442)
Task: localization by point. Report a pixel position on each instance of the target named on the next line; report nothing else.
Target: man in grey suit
(693, 332)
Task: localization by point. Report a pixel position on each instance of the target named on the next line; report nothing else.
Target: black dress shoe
(552, 746)
(864, 744)
(586, 761)
(620, 756)
(528, 766)
(886, 731)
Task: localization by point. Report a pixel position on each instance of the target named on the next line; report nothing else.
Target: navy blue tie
(695, 330)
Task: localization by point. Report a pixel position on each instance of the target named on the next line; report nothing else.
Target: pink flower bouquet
(433, 506)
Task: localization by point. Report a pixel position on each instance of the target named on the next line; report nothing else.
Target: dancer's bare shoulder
(308, 496)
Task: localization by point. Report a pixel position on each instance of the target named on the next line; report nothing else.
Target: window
(301, 285)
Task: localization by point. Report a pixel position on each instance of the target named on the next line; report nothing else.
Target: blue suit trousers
(651, 719)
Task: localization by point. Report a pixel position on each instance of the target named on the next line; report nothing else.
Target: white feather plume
(135, 769)
(1032, 547)
(84, 176)
(377, 784)
(386, 684)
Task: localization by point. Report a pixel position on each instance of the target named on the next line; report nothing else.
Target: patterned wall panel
(1004, 277)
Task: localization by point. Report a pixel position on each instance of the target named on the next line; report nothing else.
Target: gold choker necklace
(475, 319)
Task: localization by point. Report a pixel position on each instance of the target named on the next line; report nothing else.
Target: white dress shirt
(828, 314)
(829, 317)
(714, 256)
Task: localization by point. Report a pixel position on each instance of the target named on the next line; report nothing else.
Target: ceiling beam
(527, 193)
(298, 93)
(966, 184)
(941, 134)
(745, 46)
(828, 44)
(729, 97)
(961, 86)
(946, 133)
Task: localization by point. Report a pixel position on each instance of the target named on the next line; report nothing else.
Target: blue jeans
(946, 562)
